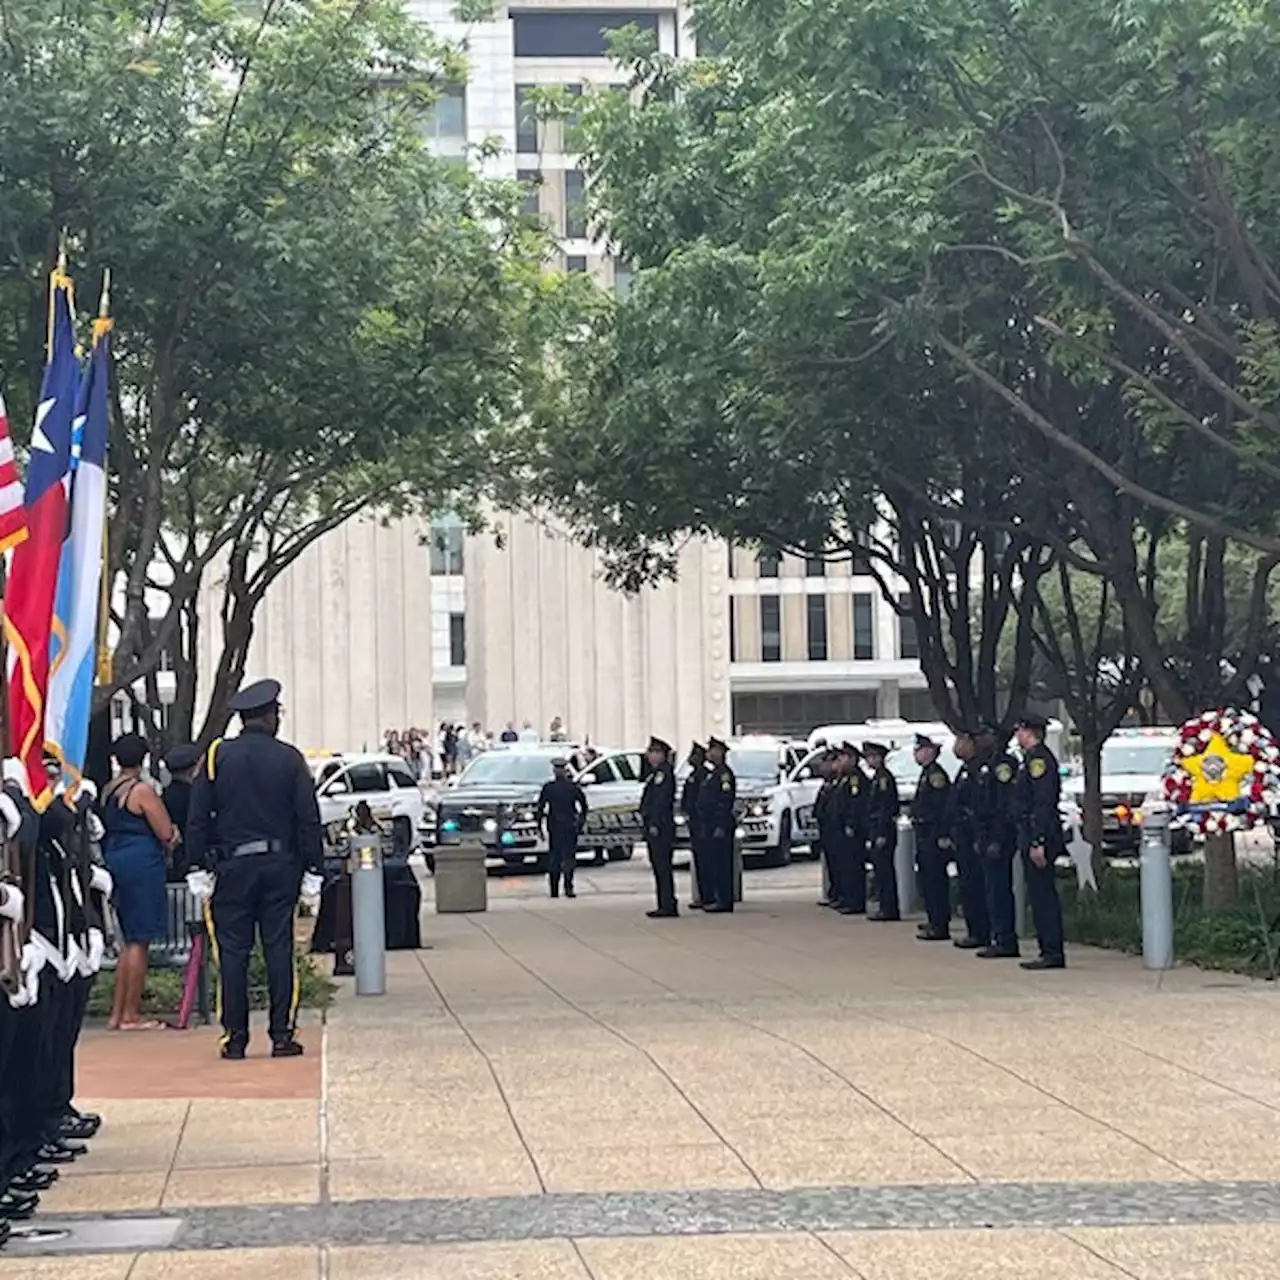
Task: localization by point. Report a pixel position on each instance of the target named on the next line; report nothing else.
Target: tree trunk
(236, 638)
(1091, 806)
(1221, 882)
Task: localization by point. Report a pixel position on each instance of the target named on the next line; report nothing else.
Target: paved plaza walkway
(568, 1091)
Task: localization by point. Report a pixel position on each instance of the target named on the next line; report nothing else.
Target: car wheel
(622, 853)
(600, 855)
(780, 855)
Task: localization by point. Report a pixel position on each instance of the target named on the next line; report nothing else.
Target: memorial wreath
(1225, 773)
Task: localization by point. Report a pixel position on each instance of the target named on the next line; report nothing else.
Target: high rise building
(386, 627)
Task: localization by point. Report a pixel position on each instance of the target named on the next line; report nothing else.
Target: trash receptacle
(461, 879)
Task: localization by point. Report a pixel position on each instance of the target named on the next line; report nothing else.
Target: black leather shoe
(56, 1153)
(850, 910)
(969, 944)
(286, 1049)
(76, 1130)
(18, 1206)
(34, 1180)
(4, 1233)
(718, 909)
(659, 914)
(933, 935)
(696, 906)
(89, 1120)
(234, 1050)
(1043, 962)
(825, 902)
(880, 918)
(571, 892)
(999, 953)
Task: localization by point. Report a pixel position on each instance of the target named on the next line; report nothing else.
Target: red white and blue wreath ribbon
(1225, 773)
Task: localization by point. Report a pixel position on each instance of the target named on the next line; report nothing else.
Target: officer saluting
(1040, 838)
(657, 809)
(255, 824)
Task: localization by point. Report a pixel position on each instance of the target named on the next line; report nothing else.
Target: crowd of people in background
(447, 751)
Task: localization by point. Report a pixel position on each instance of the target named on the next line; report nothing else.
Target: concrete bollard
(904, 868)
(368, 915)
(461, 879)
(1155, 866)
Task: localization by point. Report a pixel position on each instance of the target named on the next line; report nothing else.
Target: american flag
(13, 512)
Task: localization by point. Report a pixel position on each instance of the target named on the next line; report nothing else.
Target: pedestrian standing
(689, 807)
(1040, 838)
(823, 814)
(933, 842)
(960, 823)
(995, 837)
(850, 833)
(716, 800)
(657, 810)
(882, 830)
(254, 839)
(561, 816)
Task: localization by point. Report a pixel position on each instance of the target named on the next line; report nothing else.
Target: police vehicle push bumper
(507, 831)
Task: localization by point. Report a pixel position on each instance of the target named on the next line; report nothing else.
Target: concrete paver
(1188, 1253)
(667, 1167)
(762, 1257)
(528, 1260)
(105, 1192)
(256, 1184)
(229, 1264)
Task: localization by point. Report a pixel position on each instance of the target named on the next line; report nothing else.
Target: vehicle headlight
(758, 809)
(527, 815)
(738, 833)
(490, 824)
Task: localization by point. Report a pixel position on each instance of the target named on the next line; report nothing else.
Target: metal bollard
(368, 915)
(904, 868)
(1156, 878)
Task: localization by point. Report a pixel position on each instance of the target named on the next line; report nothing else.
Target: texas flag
(33, 578)
(13, 515)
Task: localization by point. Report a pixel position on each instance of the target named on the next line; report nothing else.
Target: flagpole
(103, 672)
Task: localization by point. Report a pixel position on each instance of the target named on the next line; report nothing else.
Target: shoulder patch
(1037, 767)
(725, 784)
(1004, 771)
(938, 779)
(657, 778)
(882, 783)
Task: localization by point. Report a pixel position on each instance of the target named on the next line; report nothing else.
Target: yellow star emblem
(1217, 772)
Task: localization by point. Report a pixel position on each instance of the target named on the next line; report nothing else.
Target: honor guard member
(716, 800)
(183, 763)
(562, 814)
(823, 817)
(658, 812)
(1040, 838)
(995, 837)
(882, 830)
(960, 820)
(689, 807)
(255, 823)
(851, 832)
(933, 841)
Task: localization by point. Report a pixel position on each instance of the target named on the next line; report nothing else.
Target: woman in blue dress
(139, 833)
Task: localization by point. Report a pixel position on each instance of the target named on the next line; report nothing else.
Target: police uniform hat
(1031, 720)
(657, 744)
(559, 763)
(697, 746)
(988, 729)
(874, 748)
(717, 742)
(923, 740)
(848, 749)
(967, 731)
(256, 697)
(181, 757)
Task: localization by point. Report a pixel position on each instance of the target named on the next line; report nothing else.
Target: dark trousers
(935, 884)
(997, 871)
(851, 857)
(562, 856)
(661, 845)
(698, 853)
(256, 894)
(22, 1120)
(973, 892)
(717, 889)
(885, 875)
(1046, 910)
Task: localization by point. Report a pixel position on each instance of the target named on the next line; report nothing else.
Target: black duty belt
(252, 847)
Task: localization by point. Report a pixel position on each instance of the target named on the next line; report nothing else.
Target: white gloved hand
(312, 884)
(14, 901)
(97, 949)
(96, 829)
(10, 818)
(200, 885)
(101, 881)
(33, 961)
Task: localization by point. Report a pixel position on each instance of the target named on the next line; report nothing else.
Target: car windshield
(1135, 757)
(755, 764)
(502, 768)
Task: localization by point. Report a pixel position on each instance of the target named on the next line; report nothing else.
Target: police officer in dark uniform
(1040, 838)
(929, 811)
(183, 762)
(823, 818)
(254, 822)
(960, 822)
(849, 834)
(994, 814)
(716, 799)
(882, 830)
(658, 812)
(562, 814)
(689, 807)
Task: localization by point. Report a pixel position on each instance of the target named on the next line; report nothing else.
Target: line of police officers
(996, 809)
(52, 911)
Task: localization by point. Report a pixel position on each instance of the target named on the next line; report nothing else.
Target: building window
(622, 287)
(446, 548)
(572, 121)
(530, 180)
(768, 564)
(908, 640)
(815, 567)
(526, 119)
(457, 639)
(447, 115)
(816, 611)
(733, 629)
(770, 629)
(864, 627)
(575, 205)
(576, 262)
(577, 34)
